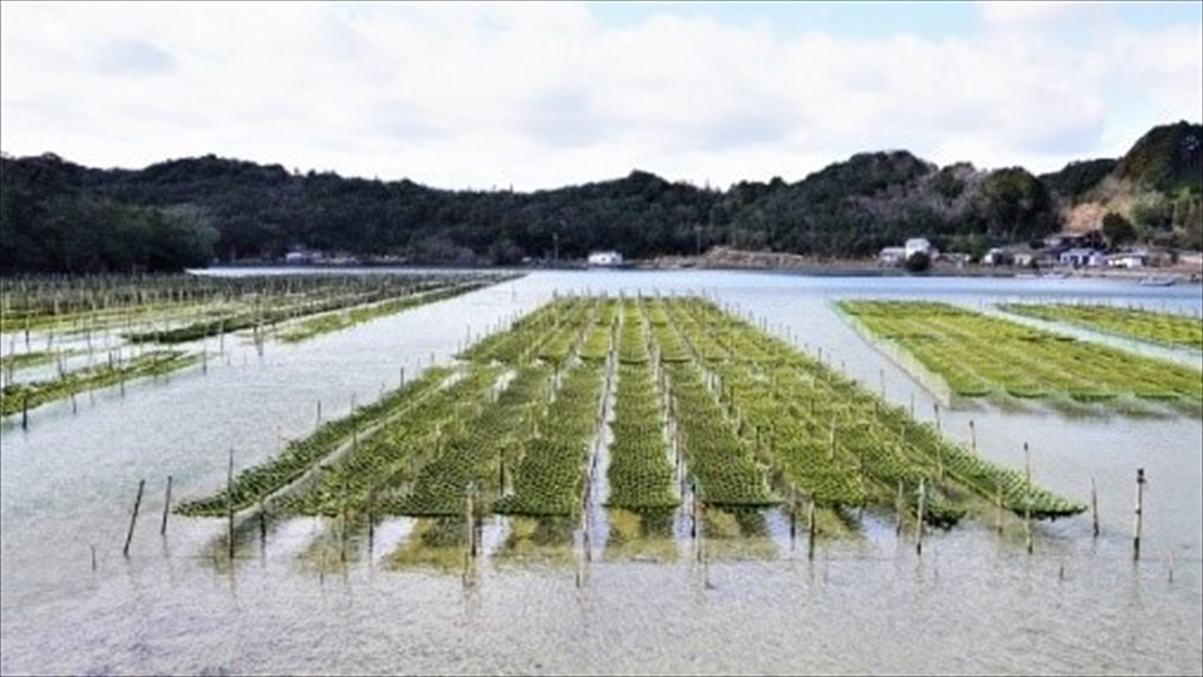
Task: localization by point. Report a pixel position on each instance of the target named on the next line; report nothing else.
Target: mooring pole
(900, 508)
(793, 514)
(1027, 497)
(1140, 497)
(166, 508)
(230, 504)
(262, 521)
(972, 436)
(1094, 506)
(998, 506)
(919, 524)
(133, 518)
(810, 547)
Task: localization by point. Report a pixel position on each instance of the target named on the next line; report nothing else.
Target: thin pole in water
(166, 508)
(133, 518)
(1140, 495)
(1027, 497)
(262, 521)
(810, 548)
(230, 504)
(919, 523)
(1094, 506)
(793, 514)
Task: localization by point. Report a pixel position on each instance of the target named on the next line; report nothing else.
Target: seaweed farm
(972, 355)
(1168, 329)
(106, 330)
(705, 408)
(578, 472)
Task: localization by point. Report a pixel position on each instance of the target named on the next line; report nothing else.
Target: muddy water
(973, 603)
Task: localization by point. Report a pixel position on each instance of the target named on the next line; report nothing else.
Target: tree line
(57, 216)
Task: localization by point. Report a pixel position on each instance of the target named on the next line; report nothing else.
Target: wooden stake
(262, 520)
(133, 518)
(1140, 496)
(972, 436)
(342, 527)
(93, 548)
(1027, 497)
(230, 504)
(810, 547)
(998, 507)
(1094, 506)
(793, 514)
(919, 525)
(166, 508)
(900, 508)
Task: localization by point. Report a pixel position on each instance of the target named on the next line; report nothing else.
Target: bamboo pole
(812, 527)
(1094, 506)
(166, 508)
(998, 507)
(919, 523)
(1027, 497)
(262, 521)
(899, 508)
(1140, 494)
(230, 504)
(793, 514)
(129, 536)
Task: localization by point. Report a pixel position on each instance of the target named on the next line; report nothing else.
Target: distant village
(1060, 252)
(1056, 254)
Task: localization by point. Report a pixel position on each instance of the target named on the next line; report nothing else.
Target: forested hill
(57, 216)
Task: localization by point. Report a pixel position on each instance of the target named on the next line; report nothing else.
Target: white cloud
(541, 95)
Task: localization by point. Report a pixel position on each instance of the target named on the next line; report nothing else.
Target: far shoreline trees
(56, 216)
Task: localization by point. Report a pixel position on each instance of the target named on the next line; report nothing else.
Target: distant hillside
(57, 216)
(1157, 186)
(1168, 159)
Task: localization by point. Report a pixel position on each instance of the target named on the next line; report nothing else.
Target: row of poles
(696, 514)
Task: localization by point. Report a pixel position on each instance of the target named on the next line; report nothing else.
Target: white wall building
(606, 259)
(917, 245)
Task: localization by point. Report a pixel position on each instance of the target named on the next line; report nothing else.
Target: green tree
(1118, 230)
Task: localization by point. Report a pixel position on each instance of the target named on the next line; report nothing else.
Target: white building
(1127, 260)
(1083, 257)
(917, 245)
(891, 256)
(606, 259)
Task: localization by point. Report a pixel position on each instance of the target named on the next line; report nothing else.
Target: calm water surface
(973, 603)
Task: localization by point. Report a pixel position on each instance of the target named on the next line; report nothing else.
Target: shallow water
(972, 603)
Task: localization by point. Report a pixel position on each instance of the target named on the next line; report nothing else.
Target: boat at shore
(1157, 281)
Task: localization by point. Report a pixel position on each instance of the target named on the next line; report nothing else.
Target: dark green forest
(60, 217)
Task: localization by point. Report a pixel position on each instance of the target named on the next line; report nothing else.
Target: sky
(532, 96)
